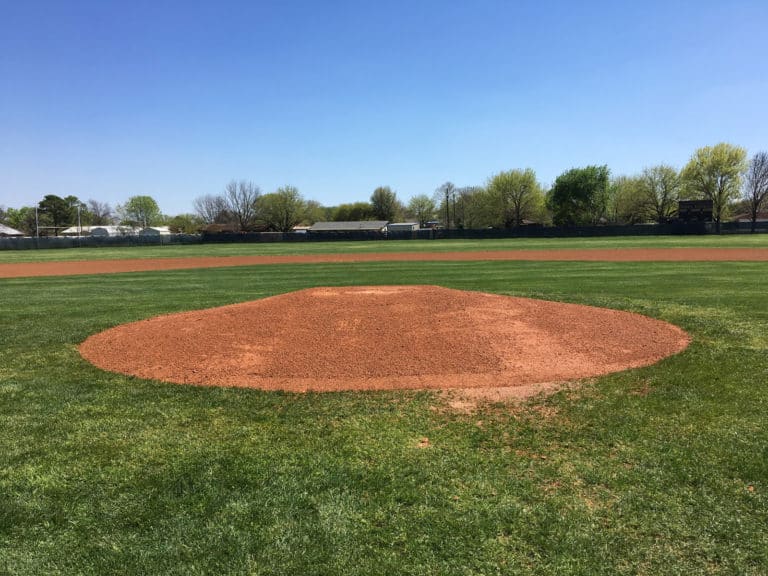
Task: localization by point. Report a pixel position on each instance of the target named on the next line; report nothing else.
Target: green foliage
(385, 205)
(140, 211)
(659, 470)
(282, 210)
(22, 219)
(422, 208)
(59, 212)
(515, 196)
(353, 212)
(579, 196)
(660, 186)
(627, 202)
(185, 223)
(714, 173)
(316, 212)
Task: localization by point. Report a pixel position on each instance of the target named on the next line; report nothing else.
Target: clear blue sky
(107, 100)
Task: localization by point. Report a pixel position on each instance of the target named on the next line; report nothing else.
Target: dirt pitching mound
(384, 337)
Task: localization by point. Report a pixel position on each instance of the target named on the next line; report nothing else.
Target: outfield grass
(283, 248)
(660, 470)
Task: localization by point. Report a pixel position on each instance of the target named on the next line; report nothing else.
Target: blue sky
(107, 100)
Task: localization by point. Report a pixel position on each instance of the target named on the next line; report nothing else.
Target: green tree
(714, 173)
(315, 212)
(516, 196)
(353, 212)
(185, 223)
(422, 208)
(140, 211)
(22, 219)
(579, 196)
(283, 209)
(756, 186)
(627, 203)
(60, 212)
(385, 204)
(660, 187)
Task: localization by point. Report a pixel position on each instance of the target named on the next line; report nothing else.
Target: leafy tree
(714, 173)
(242, 198)
(385, 204)
(140, 211)
(59, 212)
(22, 219)
(353, 212)
(756, 185)
(213, 209)
(185, 223)
(516, 196)
(422, 208)
(579, 196)
(627, 203)
(283, 209)
(315, 212)
(660, 187)
(478, 208)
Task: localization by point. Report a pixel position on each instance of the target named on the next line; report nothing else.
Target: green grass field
(660, 470)
(281, 248)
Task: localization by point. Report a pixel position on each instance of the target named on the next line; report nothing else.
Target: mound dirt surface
(384, 337)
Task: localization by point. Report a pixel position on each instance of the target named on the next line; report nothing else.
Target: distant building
(761, 217)
(7, 231)
(402, 226)
(344, 227)
(113, 231)
(155, 231)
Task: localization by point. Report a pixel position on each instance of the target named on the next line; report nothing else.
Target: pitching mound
(375, 338)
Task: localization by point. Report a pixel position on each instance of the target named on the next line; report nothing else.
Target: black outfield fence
(47, 242)
(672, 229)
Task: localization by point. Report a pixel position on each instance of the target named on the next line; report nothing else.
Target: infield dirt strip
(26, 269)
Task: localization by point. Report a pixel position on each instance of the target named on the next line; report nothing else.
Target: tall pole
(447, 209)
(37, 225)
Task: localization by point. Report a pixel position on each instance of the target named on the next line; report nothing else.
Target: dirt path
(385, 337)
(594, 255)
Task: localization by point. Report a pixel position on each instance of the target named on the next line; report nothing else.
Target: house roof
(355, 226)
(8, 231)
(78, 230)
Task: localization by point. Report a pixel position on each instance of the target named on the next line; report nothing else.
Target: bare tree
(756, 185)
(448, 191)
(212, 209)
(241, 200)
(101, 213)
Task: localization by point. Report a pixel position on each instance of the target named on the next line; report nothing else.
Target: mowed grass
(284, 248)
(661, 470)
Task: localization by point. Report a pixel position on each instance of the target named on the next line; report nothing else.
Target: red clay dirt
(385, 337)
(606, 255)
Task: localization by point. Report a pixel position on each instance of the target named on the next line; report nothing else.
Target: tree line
(580, 196)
